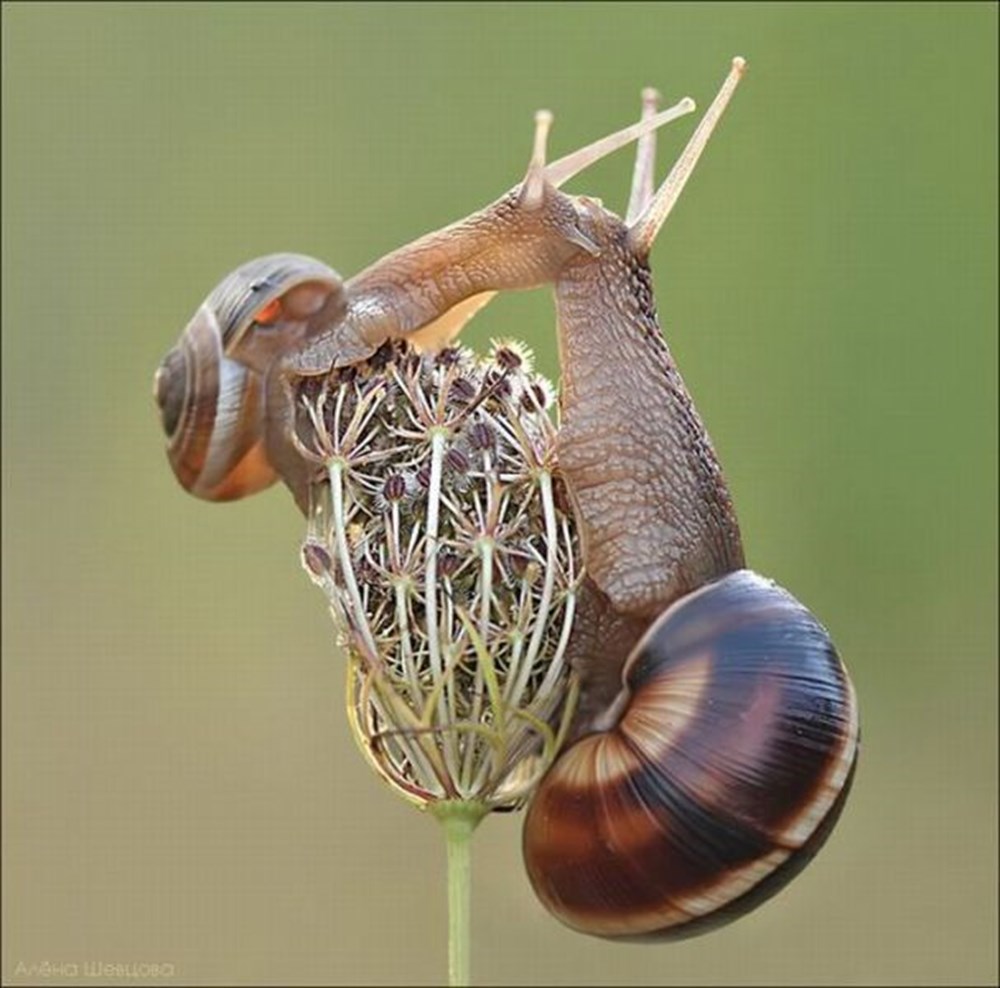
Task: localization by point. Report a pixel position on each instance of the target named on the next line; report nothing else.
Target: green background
(179, 782)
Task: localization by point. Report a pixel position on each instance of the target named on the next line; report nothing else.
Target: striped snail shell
(210, 387)
(722, 768)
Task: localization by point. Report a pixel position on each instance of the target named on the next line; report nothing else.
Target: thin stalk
(459, 819)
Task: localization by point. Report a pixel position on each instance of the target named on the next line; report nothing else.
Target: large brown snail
(722, 727)
(717, 732)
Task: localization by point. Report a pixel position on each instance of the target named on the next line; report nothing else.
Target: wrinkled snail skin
(729, 760)
(212, 387)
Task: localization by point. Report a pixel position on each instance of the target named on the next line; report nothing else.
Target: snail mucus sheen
(541, 603)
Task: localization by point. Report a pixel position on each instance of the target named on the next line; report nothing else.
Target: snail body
(717, 735)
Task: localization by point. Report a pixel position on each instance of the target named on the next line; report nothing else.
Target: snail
(716, 735)
(223, 391)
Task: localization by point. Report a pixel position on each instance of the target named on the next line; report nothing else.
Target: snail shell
(211, 387)
(725, 763)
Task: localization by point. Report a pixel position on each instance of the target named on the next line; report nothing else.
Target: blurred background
(179, 783)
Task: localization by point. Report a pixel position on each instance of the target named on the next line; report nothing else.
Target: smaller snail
(287, 314)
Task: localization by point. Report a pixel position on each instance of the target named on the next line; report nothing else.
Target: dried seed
(456, 460)
(462, 390)
(508, 358)
(481, 436)
(394, 487)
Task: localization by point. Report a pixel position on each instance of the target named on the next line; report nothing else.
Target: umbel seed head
(438, 534)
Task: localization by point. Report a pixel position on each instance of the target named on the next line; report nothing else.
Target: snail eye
(268, 314)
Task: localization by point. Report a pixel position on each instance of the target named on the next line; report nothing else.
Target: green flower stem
(459, 819)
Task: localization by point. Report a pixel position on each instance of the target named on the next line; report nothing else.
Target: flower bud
(450, 566)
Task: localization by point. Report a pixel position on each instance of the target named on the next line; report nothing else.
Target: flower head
(441, 535)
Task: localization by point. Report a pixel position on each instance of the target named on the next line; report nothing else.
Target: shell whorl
(211, 387)
(212, 412)
(730, 755)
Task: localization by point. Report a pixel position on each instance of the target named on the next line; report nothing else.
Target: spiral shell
(211, 387)
(727, 760)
